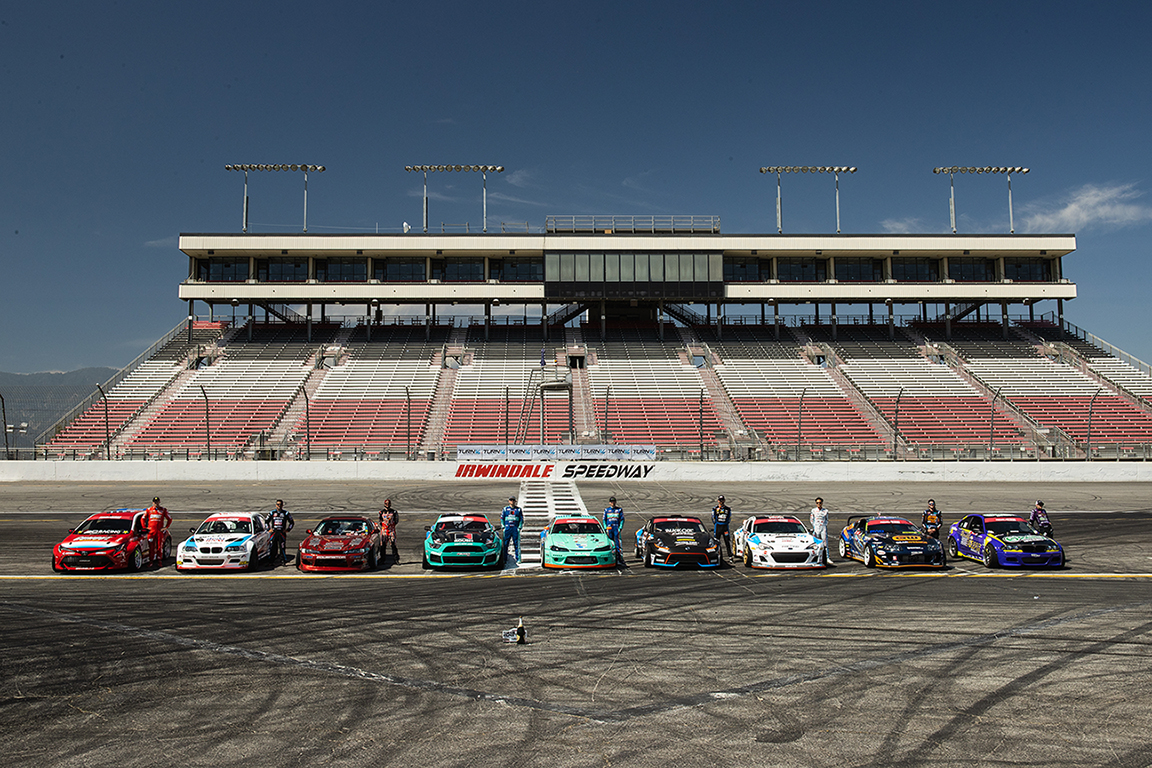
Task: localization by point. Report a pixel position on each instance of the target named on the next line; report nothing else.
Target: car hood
(781, 540)
(218, 539)
(578, 540)
(336, 543)
(457, 535)
(684, 537)
(1017, 539)
(94, 541)
(901, 539)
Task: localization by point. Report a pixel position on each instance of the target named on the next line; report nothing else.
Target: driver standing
(721, 522)
(932, 520)
(156, 520)
(613, 525)
(280, 521)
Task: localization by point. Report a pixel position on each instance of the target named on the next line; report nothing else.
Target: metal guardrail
(1111, 349)
(633, 225)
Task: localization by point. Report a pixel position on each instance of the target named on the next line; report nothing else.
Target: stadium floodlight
(484, 170)
(951, 171)
(835, 170)
(275, 167)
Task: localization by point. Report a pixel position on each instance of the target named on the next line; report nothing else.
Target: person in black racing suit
(280, 521)
(721, 524)
(1039, 519)
(932, 520)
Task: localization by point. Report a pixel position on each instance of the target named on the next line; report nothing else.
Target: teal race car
(463, 541)
(576, 542)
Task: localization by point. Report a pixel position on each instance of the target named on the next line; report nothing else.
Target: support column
(1004, 318)
(871, 320)
(309, 323)
(776, 320)
(719, 321)
(948, 320)
(924, 312)
(1060, 316)
(191, 315)
(603, 318)
(891, 320)
(763, 315)
(487, 319)
(251, 320)
(660, 318)
(368, 325)
(211, 312)
(833, 322)
(816, 304)
(544, 320)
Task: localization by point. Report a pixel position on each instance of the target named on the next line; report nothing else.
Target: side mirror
(309, 531)
(191, 530)
(71, 530)
(427, 528)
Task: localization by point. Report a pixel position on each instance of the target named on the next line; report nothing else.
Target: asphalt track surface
(629, 667)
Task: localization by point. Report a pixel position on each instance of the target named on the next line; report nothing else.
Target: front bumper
(331, 562)
(224, 561)
(804, 558)
(462, 556)
(676, 558)
(911, 560)
(580, 559)
(1026, 559)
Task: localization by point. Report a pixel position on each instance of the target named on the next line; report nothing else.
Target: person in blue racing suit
(613, 525)
(721, 524)
(512, 518)
(280, 521)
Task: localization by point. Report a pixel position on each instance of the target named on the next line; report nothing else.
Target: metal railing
(615, 225)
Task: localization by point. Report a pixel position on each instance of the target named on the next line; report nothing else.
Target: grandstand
(634, 338)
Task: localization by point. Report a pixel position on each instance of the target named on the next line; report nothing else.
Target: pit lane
(628, 667)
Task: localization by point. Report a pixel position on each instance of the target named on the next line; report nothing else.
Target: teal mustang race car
(577, 542)
(463, 540)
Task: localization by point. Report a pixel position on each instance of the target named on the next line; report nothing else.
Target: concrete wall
(621, 472)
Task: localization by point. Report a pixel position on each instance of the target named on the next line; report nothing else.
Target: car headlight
(555, 548)
(360, 551)
(235, 548)
(605, 548)
(662, 548)
(712, 548)
(309, 551)
(188, 545)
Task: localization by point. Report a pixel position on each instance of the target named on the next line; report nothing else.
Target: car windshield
(342, 528)
(105, 526)
(225, 526)
(576, 527)
(778, 526)
(999, 527)
(892, 527)
(686, 527)
(475, 526)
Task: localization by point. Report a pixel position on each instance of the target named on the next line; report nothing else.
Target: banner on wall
(556, 452)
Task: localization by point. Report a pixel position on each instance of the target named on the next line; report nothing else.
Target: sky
(118, 119)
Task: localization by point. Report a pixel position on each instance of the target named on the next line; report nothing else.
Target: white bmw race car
(227, 541)
(779, 541)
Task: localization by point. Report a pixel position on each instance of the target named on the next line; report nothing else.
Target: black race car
(673, 541)
(889, 542)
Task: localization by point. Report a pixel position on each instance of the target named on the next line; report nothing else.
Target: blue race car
(997, 540)
(889, 542)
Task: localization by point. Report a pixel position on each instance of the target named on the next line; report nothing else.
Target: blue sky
(119, 118)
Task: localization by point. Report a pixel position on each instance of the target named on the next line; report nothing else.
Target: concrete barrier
(619, 472)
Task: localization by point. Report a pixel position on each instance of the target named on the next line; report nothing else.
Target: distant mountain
(41, 399)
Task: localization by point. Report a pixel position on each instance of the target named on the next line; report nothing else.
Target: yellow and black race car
(886, 541)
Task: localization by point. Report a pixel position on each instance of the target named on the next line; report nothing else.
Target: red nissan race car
(108, 541)
(341, 543)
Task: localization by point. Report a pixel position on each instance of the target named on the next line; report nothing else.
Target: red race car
(108, 541)
(341, 543)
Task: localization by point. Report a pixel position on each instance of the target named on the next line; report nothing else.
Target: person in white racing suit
(819, 520)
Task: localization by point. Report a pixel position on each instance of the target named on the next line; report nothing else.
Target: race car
(577, 542)
(108, 541)
(671, 541)
(227, 541)
(779, 541)
(889, 542)
(340, 543)
(999, 540)
(463, 540)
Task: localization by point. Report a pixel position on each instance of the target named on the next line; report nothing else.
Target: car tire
(747, 557)
(869, 557)
(953, 549)
(648, 558)
(135, 561)
(843, 549)
(990, 559)
(373, 559)
(55, 568)
(424, 564)
(254, 560)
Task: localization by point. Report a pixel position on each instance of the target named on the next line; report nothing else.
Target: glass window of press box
(1028, 270)
(859, 270)
(801, 270)
(915, 270)
(466, 270)
(399, 270)
(743, 269)
(530, 270)
(354, 270)
(222, 270)
(971, 270)
(633, 275)
(285, 269)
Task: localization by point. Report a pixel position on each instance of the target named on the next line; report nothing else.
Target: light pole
(15, 429)
(1088, 437)
(207, 426)
(896, 423)
(835, 170)
(484, 170)
(955, 169)
(107, 430)
(4, 418)
(800, 421)
(293, 167)
(992, 424)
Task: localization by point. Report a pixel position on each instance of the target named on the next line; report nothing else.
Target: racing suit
(280, 521)
(156, 520)
(819, 520)
(721, 522)
(932, 520)
(1039, 520)
(512, 518)
(389, 519)
(613, 525)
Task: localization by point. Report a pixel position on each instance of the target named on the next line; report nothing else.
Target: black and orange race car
(886, 541)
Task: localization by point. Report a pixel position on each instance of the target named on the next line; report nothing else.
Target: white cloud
(510, 199)
(432, 195)
(1089, 207)
(637, 182)
(164, 242)
(519, 178)
(905, 226)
